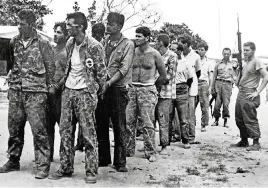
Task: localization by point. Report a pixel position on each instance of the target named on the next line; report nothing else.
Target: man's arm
(10, 53)
(262, 70)
(210, 76)
(215, 74)
(125, 65)
(172, 67)
(100, 70)
(160, 66)
(48, 59)
(198, 73)
(189, 75)
(189, 82)
(198, 67)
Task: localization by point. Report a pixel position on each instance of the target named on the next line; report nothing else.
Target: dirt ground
(209, 164)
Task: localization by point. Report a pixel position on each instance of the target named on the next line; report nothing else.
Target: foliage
(176, 30)
(137, 12)
(76, 7)
(10, 8)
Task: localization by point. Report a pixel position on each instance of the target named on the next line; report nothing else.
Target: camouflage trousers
(29, 106)
(246, 114)
(142, 103)
(80, 105)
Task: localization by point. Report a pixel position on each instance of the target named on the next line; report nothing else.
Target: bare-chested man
(143, 94)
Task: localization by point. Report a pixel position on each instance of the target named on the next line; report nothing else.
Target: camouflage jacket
(33, 67)
(93, 58)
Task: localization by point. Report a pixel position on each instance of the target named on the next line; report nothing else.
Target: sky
(214, 20)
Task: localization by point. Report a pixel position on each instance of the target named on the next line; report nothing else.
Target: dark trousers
(224, 92)
(246, 115)
(112, 106)
(181, 104)
(31, 106)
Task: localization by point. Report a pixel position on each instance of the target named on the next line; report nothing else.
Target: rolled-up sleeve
(127, 58)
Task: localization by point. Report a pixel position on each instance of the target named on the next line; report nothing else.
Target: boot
(241, 143)
(216, 123)
(12, 164)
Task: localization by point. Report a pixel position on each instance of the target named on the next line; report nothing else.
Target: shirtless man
(147, 64)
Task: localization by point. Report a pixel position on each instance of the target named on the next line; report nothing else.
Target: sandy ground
(209, 164)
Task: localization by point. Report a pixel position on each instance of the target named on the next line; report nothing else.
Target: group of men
(95, 82)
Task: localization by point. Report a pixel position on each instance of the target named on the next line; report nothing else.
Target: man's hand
(252, 96)
(209, 91)
(51, 91)
(105, 87)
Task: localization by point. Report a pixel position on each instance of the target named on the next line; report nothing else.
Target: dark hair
(115, 17)
(251, 45)
(185, 39)
(145, 31)
(28, 15)
(203, 45)
(164, 38)
(62, 25)
(179, 46)
(98, 28)
(227, 49)
(79, 18)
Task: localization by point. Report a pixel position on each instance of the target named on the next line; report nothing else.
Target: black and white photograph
(133, 93)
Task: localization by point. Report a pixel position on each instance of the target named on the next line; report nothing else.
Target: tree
(138, 12)
(176, 30)
(10, 8)
(76, 7)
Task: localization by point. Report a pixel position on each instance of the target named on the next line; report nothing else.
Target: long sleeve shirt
(33, 66)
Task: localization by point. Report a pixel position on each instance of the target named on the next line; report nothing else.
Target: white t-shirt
(76, 78)
(195, 65)
(207, 66)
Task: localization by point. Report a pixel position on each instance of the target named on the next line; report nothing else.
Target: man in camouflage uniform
(54, 101)
(31, 78)
(143, 94)
(97, 31)
(84, 75)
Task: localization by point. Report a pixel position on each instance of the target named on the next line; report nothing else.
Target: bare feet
(152, 158)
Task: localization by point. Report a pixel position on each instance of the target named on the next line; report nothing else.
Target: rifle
(239, 58)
